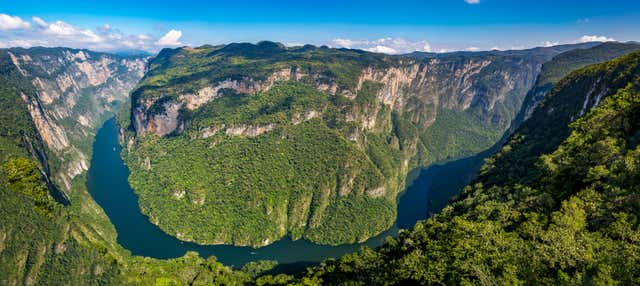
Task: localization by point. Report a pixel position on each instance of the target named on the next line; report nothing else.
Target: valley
(107, 183)
(254, 155)
(307, 142)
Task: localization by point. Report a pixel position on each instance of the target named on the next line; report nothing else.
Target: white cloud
(472, 1)
(387, 45)
(59, 33)
(472, 49)
(382, 49)
(21, 43)
(39, 22)
(344, 43)
(583, 39)
(8, 22)
(67, 31)
(594, 38)
(293, 44)
(171, 38)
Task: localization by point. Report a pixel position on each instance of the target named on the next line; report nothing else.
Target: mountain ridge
(77, 244)
(194, 101)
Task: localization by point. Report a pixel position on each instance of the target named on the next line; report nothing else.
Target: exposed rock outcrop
(75, 89)
(417, 87)
(383, 115)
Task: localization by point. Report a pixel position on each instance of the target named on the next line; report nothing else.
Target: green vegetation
(458, 133)
(22, 175)
(36, 241)
(304, 179)
(253, 175)
(17, 133)
(186, 70)
(574, 220)
(548, 125)
(557, 205)
(45, 243)
(564, 63)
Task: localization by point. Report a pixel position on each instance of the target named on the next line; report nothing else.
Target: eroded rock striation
(308, 141)
(74, 92)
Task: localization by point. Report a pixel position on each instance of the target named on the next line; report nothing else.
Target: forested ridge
(557, 205)
(570, 217)
(308, 142)
(49, 242)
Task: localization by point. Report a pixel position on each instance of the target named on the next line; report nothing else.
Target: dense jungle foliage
(557, 205)
(299, 139)
(571, 219)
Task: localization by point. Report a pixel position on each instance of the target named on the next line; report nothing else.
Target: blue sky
(384, 26)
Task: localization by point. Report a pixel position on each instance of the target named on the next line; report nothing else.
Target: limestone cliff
(255, 124)
(413, 86)
(75, 90)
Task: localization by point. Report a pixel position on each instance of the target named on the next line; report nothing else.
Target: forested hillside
(563, 64)
(35, 242)
(557, 205)
(309, 142)
(66, 242)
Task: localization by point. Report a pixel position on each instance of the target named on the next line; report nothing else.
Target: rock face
(75, 91)
(564, 64)
(241, 116)
(416, 87)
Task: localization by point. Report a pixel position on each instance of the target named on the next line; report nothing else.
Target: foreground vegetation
(570, 218)
(49, 242)
(557, 205)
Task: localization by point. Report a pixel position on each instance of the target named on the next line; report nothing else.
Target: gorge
(307, 142)
(291, 154)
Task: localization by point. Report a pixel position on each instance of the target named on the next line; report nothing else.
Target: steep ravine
(78, 245)
(107, 183)
(243, 101)
(75, 90)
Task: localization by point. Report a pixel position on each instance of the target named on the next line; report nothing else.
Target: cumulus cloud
(472, 1)
(384, 45)
(383, 50)
(21, 43)
(171, 38)
(20, 33)
(8, 22)
(67, 31)
(594, 38)
(583, 39)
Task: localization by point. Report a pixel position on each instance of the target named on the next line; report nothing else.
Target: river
(429, 192)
